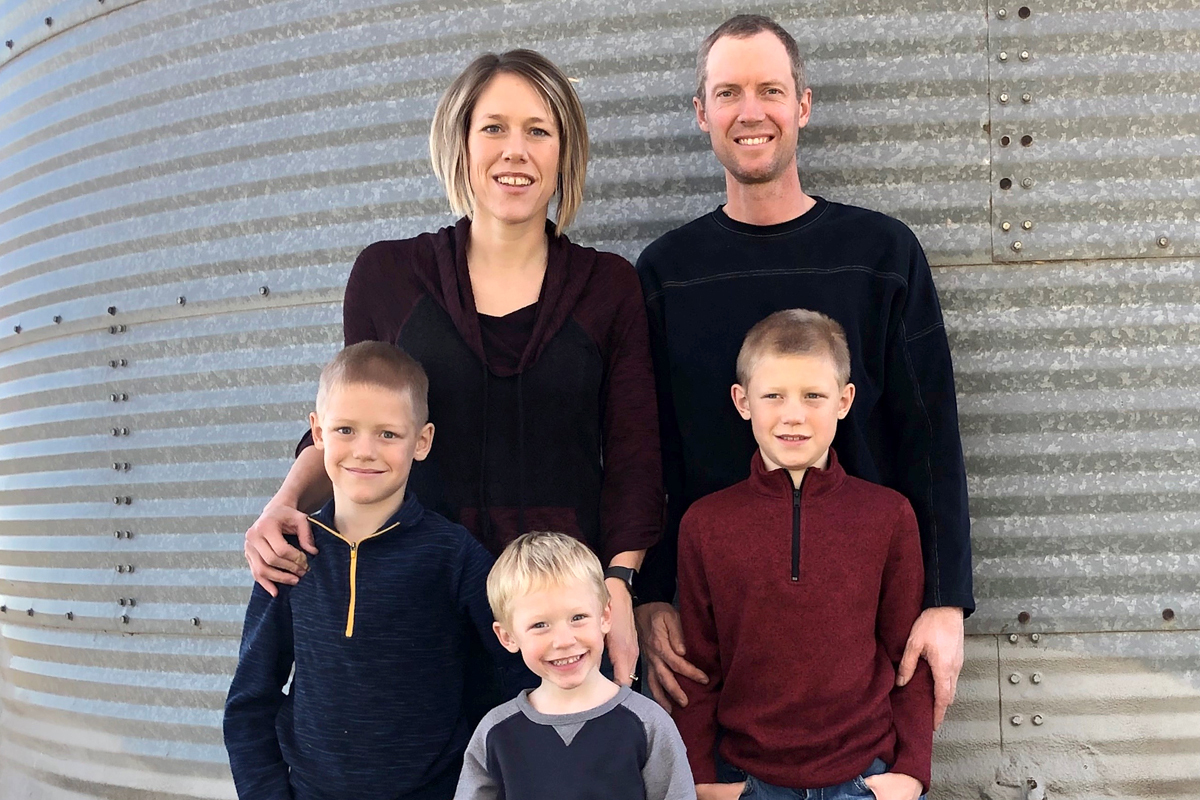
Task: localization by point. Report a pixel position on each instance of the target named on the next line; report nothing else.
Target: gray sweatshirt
(624, 749)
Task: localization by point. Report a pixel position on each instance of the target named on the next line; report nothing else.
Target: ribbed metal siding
(238, 155)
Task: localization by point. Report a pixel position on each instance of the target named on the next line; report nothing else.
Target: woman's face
(512, 151)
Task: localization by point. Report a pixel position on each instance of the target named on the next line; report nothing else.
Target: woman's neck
(507, 263)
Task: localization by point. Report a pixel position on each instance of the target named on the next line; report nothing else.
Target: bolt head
(121, 569)
(1026, 183)
(1016, 719)
(9, 44)
(1006, 226)
(1024, 56)
(49, 21)
(129, 567)
(1035, 637)
(264, 290)
(1027, 225)
(1014, 678)
(1003, 56)
(16, 328)
(181, 300)
(1037, 719)
(1036, 677)
(29, 612)
(116, 501)
(112, 311)
(1017, 247)
(124, 619)
(1163, 241)
(1003, 98)
(70, 615)
(1002, 13)
(1026, 98)
(3, 609)
(196, 621)
(1012, 637)
(112, 397)
(57, 319)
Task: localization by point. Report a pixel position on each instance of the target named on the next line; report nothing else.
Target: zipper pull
(353, 546)
(795, 498)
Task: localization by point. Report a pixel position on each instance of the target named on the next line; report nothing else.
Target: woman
(537, 349)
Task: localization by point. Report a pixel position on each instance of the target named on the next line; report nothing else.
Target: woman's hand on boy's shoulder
(893, 786)
(720, 791)
(272, 560)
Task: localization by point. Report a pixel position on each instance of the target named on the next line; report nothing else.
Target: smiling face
(513, 152)
(751, 109)
(794, 403)
(369, 439)
(560, 632)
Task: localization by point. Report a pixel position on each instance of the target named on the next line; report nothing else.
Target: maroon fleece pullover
(797, 604)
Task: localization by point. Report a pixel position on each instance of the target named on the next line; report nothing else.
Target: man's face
(751, 110)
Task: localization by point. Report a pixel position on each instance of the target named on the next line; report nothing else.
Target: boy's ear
(506, 639)
(846, 400)
(606, 618)
(314, 423)
(424, 442)
(741, 400)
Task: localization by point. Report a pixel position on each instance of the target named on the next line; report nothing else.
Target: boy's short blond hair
(540, 560)
(795, 332)
(452, 122)
(377, 364)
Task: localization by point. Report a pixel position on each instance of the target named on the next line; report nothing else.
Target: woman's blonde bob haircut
(452, 122)
(537, 561)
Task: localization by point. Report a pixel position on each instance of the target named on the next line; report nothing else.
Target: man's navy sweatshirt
(387, 638)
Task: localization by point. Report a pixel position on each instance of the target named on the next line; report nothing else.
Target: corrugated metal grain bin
(184, 184)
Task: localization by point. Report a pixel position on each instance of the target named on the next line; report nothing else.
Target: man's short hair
(452, 121)
(377, 364)
(537, 561)
(795, 332)
(743, 26)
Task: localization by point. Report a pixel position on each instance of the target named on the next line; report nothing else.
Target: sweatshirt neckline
(569, 719)
(777, 483)
(406, 515)
(809, 217)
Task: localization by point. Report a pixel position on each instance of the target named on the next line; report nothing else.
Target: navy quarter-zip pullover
(383, 635)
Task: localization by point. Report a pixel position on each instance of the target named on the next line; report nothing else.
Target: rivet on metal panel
(1037, 719)
(121, 601)
(120, 569)
(264, 290)
(30, 612)
(49, 21)
(132, 602)
(116, 534)
(1026, 97)
(1005, 141)
(1003, 98)
(9, 44)
(1027, 225)
(124, 619)
(127, 500)
(196, 621)
(124, 431)
(3, 609)
(1027, 183)
(1163, 241)
(57, 319)
(123, 396)
(129, 567)
(122, 363)
(112, 397)
(1006, 226)
(70, 616)
(1014, 678)
(1168, 614)
(113, 363)
(116, 501)
(1024, 55)
(1023, 618)
(1017, 247)
(1035, 637)
(116, 465)
(112, 328)
(112, 311)
(181, 300)
(1003, 56)
(116, 431)
(120, 329)
(1013, 638)
(1016, 719)
(1002, 13)
(16, 328)
(1036, 677)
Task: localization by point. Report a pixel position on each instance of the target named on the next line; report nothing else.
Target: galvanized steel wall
(183, 185)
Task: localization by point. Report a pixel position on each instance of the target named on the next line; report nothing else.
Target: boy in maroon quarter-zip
(797, 591)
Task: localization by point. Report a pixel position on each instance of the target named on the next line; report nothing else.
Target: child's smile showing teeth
(566, 662)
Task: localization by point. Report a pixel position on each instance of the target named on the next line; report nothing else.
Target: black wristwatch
(625, 575)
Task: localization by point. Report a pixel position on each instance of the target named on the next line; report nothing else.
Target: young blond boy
(797, 590)
(577, 736)
(384, 626)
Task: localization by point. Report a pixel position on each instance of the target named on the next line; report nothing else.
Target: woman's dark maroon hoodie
(566, 437)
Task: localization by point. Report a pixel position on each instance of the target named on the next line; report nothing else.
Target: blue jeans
(756, 789)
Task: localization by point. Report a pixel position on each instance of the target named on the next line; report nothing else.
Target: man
(771, 247)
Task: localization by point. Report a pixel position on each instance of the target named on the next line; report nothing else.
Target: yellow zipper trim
(353, 567)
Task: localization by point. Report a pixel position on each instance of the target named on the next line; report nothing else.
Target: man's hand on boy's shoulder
(937, 636)
(720, 791)
(894, 786)
(272, 560)
(661, 638)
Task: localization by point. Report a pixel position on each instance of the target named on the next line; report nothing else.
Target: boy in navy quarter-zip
(384, 628)
(577, 736)
(797, 591)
